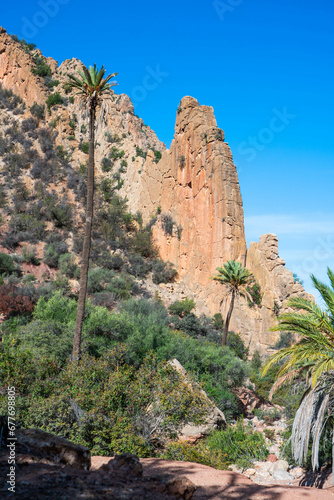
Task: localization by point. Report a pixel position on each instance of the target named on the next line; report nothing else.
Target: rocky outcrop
(277, 285)
(15, 71)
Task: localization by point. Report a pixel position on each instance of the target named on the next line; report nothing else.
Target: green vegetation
(54, 100)
(41, 68)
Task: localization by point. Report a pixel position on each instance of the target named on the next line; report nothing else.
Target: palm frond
(285, 379)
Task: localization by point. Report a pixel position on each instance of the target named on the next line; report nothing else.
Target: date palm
(236, 278)
(312, 358)
(91, 86)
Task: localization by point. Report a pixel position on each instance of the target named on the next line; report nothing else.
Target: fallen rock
(55, 448)
(280, 464)
(126, 463)
(215, 419)
(283, 475)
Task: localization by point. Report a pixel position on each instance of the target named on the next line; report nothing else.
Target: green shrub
(198, 453)
(142, 244)
(58, 308)
(240, 445)
(167, 224)
(115, 153)
(255, 295)
(27, 227)
(140, 152)
(106, 164)
(54, 100)
(107, 188)
(99, 279)
(29, 255)
(38, 110)
(182, 307)
(163, 272)
(237, 345)
(67, 265)
(50, 82)
(84, 147)
(157, 156)
(53, 251)
(139, 266)
(41, 68)
(7, 265)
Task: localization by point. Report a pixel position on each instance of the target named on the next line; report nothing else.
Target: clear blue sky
(253, 61)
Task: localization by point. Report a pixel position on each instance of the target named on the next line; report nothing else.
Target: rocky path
(214, 484)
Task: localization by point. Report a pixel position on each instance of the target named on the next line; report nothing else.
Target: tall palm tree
(236, 278)
(311, 357)
(91, 86)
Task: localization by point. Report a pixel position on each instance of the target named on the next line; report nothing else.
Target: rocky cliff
(190, 196)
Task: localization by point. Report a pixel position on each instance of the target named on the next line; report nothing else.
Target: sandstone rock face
(277, 285)
(15, 71)
(196, 188)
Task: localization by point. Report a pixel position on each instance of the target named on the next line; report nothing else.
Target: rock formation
(15, 71)
(191, 195)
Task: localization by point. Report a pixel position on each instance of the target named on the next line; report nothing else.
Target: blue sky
(266, 68)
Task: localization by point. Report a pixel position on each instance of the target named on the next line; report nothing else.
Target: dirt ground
(214, 484)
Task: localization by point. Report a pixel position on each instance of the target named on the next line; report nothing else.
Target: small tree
(236, 278)
(91, 86)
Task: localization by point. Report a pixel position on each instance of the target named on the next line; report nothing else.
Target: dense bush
(54, 100)
(27, 227)
(53, 251)
(139, 266)
(84, 147)
(163, 272)
(182, 307)
(237, 345)
(41, 68)
(67, 265)
(241, 445)
(38, 111)
(7, 265)
(142, 243)
(106, 164)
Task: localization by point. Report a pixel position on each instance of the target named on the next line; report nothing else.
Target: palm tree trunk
(228, 318)
(87, 238)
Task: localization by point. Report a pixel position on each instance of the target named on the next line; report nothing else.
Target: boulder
(272, 458)
(279, 464)
(282, 475)
(54, 448)
(215, 419)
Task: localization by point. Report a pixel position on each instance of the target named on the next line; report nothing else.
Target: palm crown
(234, 275)
(92, 82)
